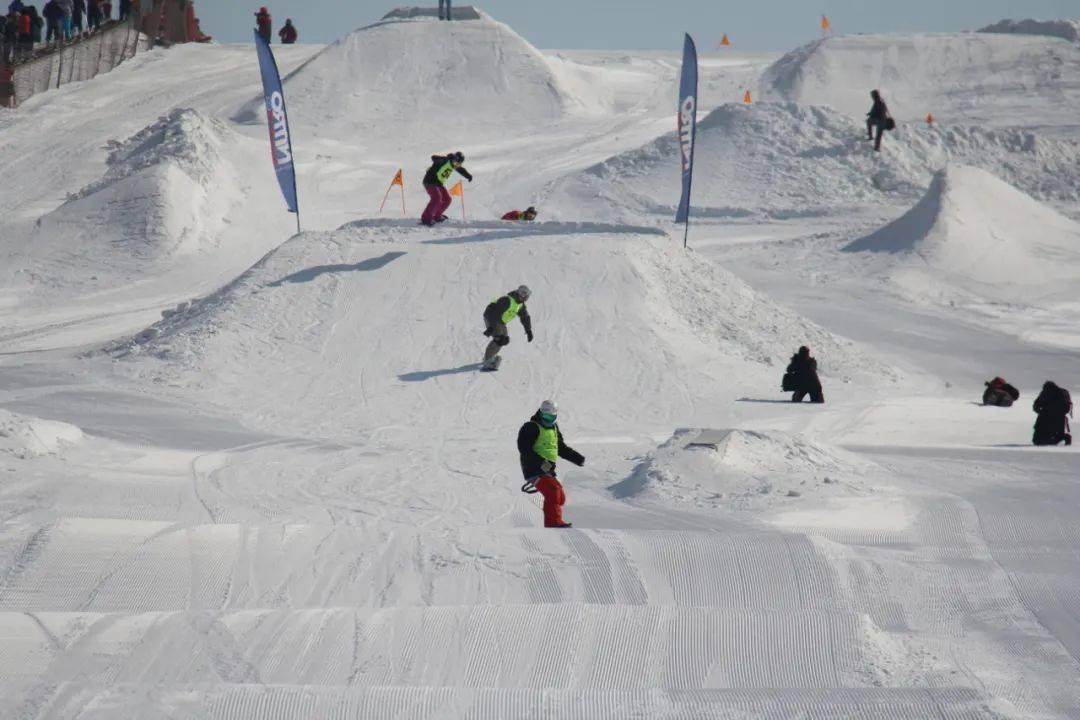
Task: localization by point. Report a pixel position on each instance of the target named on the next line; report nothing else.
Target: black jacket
(494, 311)
(530, 461)
(1052, 401)
(878, 112)
(804, 370)
(52, 11)
(437, 161)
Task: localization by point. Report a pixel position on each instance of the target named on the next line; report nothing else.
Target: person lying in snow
(1000, 393)
(526, 215)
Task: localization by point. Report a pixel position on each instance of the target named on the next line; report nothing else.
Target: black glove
(582, 463)
(529, 335)
(547, 466)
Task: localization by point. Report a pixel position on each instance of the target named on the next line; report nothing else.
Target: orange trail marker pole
(747, 100)
(724, 41)
(825, 26)
(929, 118)
(459, 191)
(400, 183)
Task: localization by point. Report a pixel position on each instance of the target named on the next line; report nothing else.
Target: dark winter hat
(804, 350)
(530, 209)
(458, 156)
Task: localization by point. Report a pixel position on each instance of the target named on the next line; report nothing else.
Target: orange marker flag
(459, 191)
(825, 25)
(929, 118)
(747, 99)
(398, 180)
(724, 41)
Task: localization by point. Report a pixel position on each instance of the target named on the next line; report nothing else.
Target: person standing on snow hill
(264, 24)
(497, 315)
(442, 167)
(1053, 406)
(801, 377)
(879, 118)
(288, 32)
(444, 14)
(540, 444)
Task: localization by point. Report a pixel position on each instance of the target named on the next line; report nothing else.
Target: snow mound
(164, 197)
(422, 77)
(781, 160)
(975, 234)
(989, 79)
(745, 469)
(615, 310)
(27, 437)
(1064, 29)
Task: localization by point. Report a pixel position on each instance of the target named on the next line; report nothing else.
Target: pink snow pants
(440, 201)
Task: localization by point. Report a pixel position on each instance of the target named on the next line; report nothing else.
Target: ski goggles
(548, 419)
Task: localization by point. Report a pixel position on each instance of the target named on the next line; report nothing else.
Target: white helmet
(524, 292)
(549, 407)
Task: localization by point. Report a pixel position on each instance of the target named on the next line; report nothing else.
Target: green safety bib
(547, 443)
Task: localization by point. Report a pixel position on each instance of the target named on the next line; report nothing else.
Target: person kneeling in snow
(541, 445)
(442, 167)
(801, 377)
(1000, 393)
(1053, 406)
(526, 215)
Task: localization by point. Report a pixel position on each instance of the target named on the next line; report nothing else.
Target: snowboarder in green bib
(499, 313)
(540, 445)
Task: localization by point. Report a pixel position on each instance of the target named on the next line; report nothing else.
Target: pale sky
(753, 25)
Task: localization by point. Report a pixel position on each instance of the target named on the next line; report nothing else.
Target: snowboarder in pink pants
(442, 167)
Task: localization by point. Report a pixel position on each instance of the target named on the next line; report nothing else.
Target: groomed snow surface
(252, 474)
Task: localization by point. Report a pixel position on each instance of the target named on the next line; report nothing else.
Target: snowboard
(492, 366)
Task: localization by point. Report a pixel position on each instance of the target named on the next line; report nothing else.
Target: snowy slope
(788, 161)
(606, 293)
(295, 497)
(974, 235)
(967, 78)
(469, 79)
(1064, 29)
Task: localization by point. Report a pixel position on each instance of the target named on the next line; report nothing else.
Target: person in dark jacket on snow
(801, 377)
(78, 10)
(54, 21)
(541, 444)
(264, 23)
(1053, 406)
(878, 118)
(288, 32)
(442, 167)
(497, 315)
(1000, 393)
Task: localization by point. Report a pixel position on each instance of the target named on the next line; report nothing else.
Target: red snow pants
(554, 499)
(437, 205)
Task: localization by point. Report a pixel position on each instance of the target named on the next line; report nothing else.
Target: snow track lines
(282, 702)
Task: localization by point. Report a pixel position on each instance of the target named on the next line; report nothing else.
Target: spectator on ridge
(125, 9)
(93, 14)
(54, 17)
(264, 23)
(444, 14)
(288, 32)
(878, 118)
(78, 10)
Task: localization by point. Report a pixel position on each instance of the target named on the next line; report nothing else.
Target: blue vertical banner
(277, 121)
(687, 119)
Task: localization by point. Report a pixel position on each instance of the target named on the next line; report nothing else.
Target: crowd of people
(24, 28)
